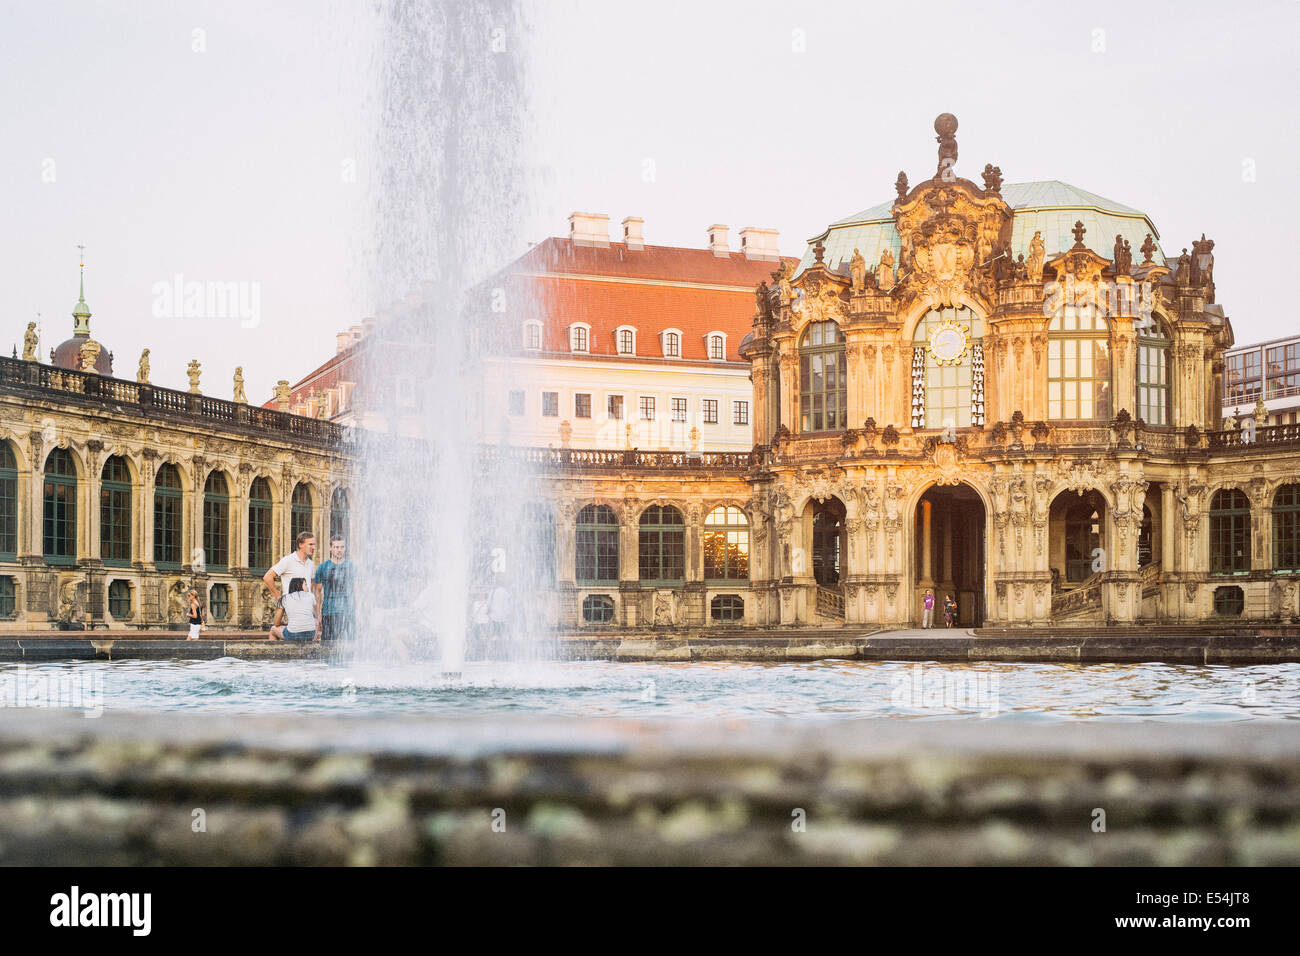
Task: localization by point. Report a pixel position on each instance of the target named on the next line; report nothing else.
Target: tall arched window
(948, 369)
(259, 526)
(726, 545)
(823, 385)
(216, 522)
(1286, 528)
(1078, 364)
(300, 514)
(115, 512)
(8, 503)
(167, 518)
(1152, 371)
(596, 545)
(60, 524)
(661, 546)
(672, 345)
(1229, 531)
(339, 514)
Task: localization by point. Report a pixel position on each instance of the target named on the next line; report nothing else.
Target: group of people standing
(927, 608)
(316, 602)
(312, 602)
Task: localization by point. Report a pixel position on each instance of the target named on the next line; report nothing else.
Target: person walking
(949, 610)
(302, 612)
(195, 616)
(296, 564)
(927, 604)
(333, 588)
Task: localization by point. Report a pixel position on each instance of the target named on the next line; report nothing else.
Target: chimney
(342, 341)
(759, 243)
(589, 229)
(356, 332)
(718, 240)
(632, 232)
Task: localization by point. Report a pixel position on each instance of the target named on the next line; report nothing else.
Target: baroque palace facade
(1006, 394)
(118, 496)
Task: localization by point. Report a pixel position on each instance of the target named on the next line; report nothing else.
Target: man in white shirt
(295, 564)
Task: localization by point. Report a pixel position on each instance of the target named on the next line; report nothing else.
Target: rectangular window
(647, 408)
(119, 599)
(710, 411)
(679, 409)
(516, 401)
(740, 413)
(550, 404)
(532, 336)
(582, 405)
(8, 598)
(616, 406)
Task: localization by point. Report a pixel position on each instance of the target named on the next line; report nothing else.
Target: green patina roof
(1051, 208)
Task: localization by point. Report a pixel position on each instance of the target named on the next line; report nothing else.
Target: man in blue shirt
(333, 585)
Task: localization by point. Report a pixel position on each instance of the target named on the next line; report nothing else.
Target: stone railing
(1267, 437)
(1082, 598)
(134, 398)
(1150, 578)
(597, 459)
(830, 603)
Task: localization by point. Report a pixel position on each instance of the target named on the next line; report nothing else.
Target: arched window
(1152, 371)
(259, 525)
(339, 514)
(1146, 539)
(532, 335)
(823, 391)
(59, 538)
(661, 546)
(948, 369)
(672, 345)
(115, 512)
(1078, 364)
(626, 341)
(8, 503)
(167, 518)
(596, 544)
(300, 511)
(1229, 531)
(717, 347)
(1082, 538)
(726, 545)
(1286, 528)
(216, 522)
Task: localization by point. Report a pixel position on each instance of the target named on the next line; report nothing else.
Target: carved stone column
(148, 477)
(88, 546)
(927, 570)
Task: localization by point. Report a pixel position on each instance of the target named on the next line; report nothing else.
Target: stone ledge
(299, 789)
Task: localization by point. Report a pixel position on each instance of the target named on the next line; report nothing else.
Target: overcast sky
(230, 163)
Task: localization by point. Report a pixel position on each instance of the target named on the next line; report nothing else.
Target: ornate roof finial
(81, 311)
(819, 250)
(1078, 231)
(1148, 249)
(945, 124)
(992, 178)
(900, 184)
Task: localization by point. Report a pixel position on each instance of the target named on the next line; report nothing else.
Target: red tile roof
(651, 289)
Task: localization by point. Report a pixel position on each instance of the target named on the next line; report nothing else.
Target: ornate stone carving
(30, 343)
(1037, 256)
(992, 178)
(193, 370)
(885, 271)
(858, 272)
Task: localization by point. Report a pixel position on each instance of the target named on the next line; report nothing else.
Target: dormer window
(533, 336)
(625, 340)
(578, 337)
(670, 341)
(716, 342)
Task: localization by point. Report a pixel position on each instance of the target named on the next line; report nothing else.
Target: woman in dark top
(196, 616)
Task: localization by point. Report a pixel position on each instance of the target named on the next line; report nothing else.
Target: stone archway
(948, 529)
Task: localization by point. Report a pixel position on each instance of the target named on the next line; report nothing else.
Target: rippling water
(825, 689)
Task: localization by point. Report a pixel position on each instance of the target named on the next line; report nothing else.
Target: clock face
(948, 344)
